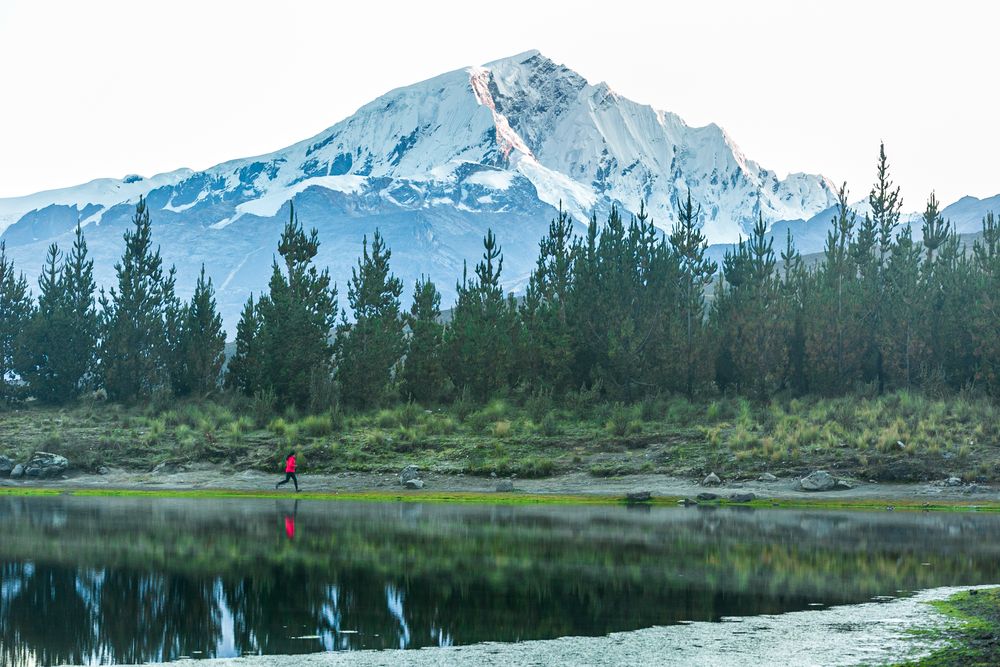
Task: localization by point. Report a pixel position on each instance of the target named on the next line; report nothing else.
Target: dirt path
(215, 477)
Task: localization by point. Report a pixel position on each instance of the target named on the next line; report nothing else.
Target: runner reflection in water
(290, 521)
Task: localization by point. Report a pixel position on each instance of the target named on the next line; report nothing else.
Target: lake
(103, 580)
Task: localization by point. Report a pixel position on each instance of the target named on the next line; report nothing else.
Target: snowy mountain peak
(433, 165)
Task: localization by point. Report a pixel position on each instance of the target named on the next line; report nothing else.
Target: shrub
(651, 408)
(618, 423)
(316, 426)
(549, 425)
(502, 428)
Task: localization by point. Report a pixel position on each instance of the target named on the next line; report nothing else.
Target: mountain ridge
(433, 165)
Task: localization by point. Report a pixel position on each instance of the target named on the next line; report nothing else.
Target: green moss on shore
(517, 498)
(974, 641)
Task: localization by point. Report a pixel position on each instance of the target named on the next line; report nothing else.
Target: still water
(130, 580)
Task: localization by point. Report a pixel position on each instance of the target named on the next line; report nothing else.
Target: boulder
(105, 470)
(6, 465)
(638, 497)
(44, 464)
(17, 472)
(953, 481)
(413, 484)
(505, 486)
(169, 468)
(707, 496)
(742, 497)
(408, 473)
(820, 480)
(687, 502)
(711, 480)
(767, 477)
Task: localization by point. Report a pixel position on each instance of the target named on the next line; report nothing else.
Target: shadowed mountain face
(433, 165)
(106, 581)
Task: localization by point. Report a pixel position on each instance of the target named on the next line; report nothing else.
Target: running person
(289, 472)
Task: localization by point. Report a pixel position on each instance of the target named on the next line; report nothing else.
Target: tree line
(625, 310)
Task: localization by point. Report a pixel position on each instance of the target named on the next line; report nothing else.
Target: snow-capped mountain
(433, 165)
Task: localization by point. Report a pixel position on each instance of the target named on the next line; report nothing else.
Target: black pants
(289, 476)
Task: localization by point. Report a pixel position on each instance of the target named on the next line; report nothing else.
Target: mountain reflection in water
(129, 580)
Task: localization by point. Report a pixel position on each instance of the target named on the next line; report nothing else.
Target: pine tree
(134, 346)
(900, 342)
(40, 352)
(15, 313)
(79, 289)
(794, 294)
(423, 373)
(245, 369)
(696, 272)
(296, 321)
(202, 341)
(885, 204)
(834, 334)
(370, 348)
(480, 336)
(749, 311)
(985, 322)
(548, 351)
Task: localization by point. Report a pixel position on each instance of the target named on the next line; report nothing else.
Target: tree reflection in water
(103, 580)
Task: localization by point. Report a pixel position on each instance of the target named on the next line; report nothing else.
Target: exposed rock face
(819, 480)
(408, 473)
(711, 480)
(44, 464)
(505, 486)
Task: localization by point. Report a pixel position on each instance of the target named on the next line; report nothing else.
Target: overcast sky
(105, 89)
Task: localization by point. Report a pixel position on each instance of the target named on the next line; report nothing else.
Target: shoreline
(214, 482)
(883, 633)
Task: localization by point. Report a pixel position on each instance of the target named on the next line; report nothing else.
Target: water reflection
(89, 581)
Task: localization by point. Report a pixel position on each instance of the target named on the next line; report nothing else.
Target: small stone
(742, 497)
(711, 480)
(408, 473)
(493, 475)
(707, 496)
(953, 481)
(900, 445)
(505, 486)
(413, 484)
(638, 497)
(17, 472)
(767, 477)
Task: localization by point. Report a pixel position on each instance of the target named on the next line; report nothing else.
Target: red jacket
(290, 464)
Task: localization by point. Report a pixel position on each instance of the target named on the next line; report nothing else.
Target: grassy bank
(975, 641)
(493, 498)
(898, 437)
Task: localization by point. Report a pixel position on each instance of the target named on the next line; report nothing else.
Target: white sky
(95, 89)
